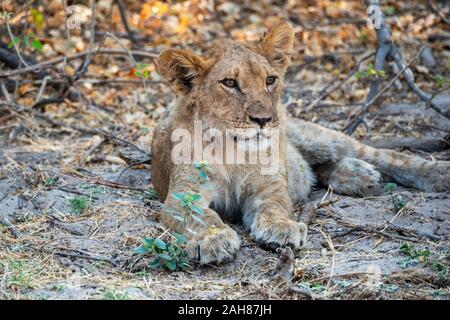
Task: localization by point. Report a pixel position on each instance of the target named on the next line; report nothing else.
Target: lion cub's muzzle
(263, 116)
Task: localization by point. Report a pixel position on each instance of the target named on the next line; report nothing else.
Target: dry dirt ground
(51, 251)
(71, 215)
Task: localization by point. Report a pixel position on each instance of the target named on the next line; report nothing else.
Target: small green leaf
(185, 203)
(389, 10)
(140, 250)
(14, 41)
(160, 244)
(195, 197)
(405, 249)
(37, 45)
(424, 253)
(150, 194)
(203, 175)
(179, 237)
(317, 288)
(149, 242)
(178, 196)
(399, 202)
(141, 66)
(155, 264)
(26, 39)
(197, 209)
(171, 265)
(165, 256)
(440, 81)
(342, 283)
(363, 37)
(389, 187)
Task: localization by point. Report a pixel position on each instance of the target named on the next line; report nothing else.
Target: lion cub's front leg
(210, 239)
(268, 216)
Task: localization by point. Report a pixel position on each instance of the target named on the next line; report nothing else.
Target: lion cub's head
(235, 85)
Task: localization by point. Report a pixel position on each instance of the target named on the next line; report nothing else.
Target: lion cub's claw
(280, 234)
(214, 246)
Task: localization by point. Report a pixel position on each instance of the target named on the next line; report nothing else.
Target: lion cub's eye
(270, 80)
(230, 83)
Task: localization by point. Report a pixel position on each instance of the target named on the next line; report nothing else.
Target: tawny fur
(309, 153)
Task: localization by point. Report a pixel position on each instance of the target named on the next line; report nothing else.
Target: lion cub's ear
(181, 68)
(277, 45)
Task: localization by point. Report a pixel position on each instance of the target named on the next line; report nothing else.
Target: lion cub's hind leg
(351, 177)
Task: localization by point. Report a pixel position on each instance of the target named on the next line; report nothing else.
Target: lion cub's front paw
(280, 233)
(214, 245)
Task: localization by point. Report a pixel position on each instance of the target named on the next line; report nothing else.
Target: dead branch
(5, 92)
(333, 86)
(123, 17)
(358, 119)
(367, 229)
(71, 253)
(441, 15)
(309, 211)
(11, 36)
(386, 49)
(116, 185)
(414, 236)
(74, 192)
(133, 60)
(11, 59)
(286, 265)
(424, 144)
(82, 69)
(51, 62)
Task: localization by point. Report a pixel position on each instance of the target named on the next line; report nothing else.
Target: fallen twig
(309, 211)
(123, 17)
(78, 254)
(438, 12)
(415, 236)
(11, 36)
(424, 144)
(387, 49)
(51, 62)
(116, 185)
(358, 119)
(359, 228)
(333, 86)
(5, 91)
(286, 265)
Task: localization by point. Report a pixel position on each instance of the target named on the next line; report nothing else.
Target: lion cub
(233, 90)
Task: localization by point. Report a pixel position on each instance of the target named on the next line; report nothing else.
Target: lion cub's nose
(260, 121)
